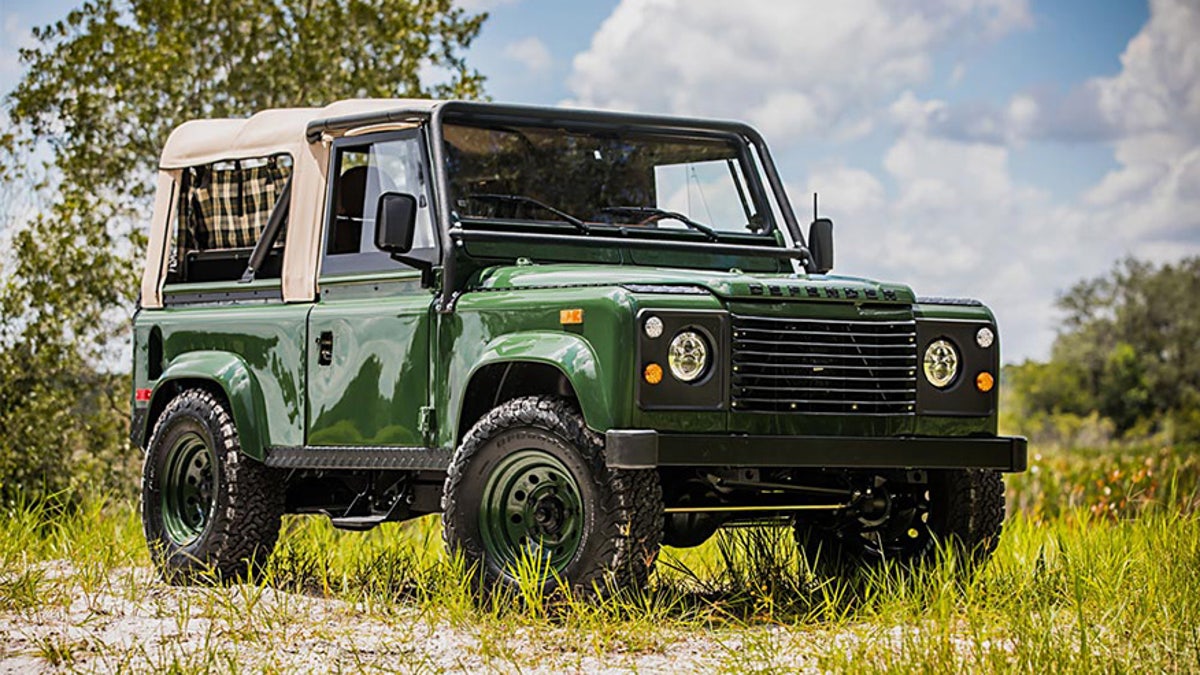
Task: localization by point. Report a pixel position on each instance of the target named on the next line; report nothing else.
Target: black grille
(835, 366)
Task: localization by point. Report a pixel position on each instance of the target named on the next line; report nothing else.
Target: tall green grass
(1073, 588)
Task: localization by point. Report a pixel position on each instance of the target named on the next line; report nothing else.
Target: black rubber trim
(1003, 453)
(137, 425)
(233, 296)
(359, 457)
(631, 448)
(632, 243)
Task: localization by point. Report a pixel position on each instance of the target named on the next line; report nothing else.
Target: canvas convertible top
(270, 132)
(198, 208)
(207, 143)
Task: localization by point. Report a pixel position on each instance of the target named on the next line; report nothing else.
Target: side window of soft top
(361, 173)
(222, 212)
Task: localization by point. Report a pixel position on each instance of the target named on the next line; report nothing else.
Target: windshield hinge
(427, 423)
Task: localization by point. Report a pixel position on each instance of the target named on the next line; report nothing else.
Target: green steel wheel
(209, 513)
(529, 483)
(188, 494)
(532, 508)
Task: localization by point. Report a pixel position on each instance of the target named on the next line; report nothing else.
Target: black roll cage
(452, 236)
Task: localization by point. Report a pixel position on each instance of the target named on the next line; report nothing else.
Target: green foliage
(102, 89)
(1065, 592)
(1128, 352)
(1108, 482)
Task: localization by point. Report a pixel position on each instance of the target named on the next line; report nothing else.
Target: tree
(101, 91)
(1129, 350)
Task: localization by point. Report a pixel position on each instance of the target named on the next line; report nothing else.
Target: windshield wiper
(657, 214)
(522, 199)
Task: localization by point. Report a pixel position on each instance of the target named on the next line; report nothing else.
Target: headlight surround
(941, 363)
(688, 356)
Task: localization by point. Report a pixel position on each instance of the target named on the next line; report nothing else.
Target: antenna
(814, 205)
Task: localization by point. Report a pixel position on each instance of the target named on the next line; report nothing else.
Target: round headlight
(941, 363)
(984, 337)
(653, 327)
(687, 356)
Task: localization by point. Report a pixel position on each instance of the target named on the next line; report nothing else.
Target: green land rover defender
(577, 335)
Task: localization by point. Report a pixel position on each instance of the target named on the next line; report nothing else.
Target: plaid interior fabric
(229, 207)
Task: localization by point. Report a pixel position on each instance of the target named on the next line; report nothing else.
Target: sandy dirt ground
(129, 621)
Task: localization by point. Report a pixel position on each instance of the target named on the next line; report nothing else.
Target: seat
(348, 222)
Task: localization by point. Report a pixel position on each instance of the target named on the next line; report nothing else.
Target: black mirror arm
(425, 267)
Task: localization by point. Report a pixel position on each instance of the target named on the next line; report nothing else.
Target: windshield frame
(794, 245)
(498, 114)
(744, 181)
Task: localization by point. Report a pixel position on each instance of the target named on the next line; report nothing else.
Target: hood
(732, 285)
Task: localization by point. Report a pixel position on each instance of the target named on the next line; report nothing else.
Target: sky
(996, 149)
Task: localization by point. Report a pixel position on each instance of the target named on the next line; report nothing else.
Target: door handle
(325, 348)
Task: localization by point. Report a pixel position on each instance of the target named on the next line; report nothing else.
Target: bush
(1112, 482)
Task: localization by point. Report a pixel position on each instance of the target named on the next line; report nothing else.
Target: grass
(1072, 588)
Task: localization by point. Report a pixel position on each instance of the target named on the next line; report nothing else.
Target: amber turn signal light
(653, 373)
(570, 317)
(984, 382)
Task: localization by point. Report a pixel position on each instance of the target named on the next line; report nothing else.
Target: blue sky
(1001, 149)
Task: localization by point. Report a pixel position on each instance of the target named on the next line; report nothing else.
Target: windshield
(601, 177)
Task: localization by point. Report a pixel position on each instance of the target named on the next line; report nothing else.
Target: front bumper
(645, 449)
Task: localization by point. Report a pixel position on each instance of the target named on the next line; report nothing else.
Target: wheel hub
(531, 507)
(188, 489)
(548, 514)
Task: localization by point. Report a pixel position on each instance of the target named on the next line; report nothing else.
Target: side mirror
(395, 222)
(820, 244)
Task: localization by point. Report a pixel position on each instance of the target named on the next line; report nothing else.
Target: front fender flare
(224, 370)
(570, 354)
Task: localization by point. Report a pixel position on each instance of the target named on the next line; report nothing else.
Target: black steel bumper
(643, 449)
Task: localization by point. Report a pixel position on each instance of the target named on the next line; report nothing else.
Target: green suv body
(577, 335)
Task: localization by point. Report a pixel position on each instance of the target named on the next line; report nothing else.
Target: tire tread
(629, 515)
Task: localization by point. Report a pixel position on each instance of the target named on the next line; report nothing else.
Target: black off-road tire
(623, 509)
(976, 518)
(965, 511)
(248, 497)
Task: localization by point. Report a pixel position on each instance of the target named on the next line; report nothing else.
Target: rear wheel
(528, 495)
(207, 511)
(903, 522)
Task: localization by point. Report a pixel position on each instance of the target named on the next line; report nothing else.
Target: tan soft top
(270, 132)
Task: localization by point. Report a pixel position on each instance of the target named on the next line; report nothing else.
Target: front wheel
(207, 511)
(528, 495)
(963, 508)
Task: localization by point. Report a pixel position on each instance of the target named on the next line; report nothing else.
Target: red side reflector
(142, 395)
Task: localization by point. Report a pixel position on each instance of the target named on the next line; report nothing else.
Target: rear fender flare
(226, 372)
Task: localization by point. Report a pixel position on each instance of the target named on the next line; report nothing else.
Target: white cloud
(1158, 88)
(1154, 102)
(957, 75)
(794, 69)
(947, 213)
(955, 222)
(531, 53)
(1156, 93)
(958, 221)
